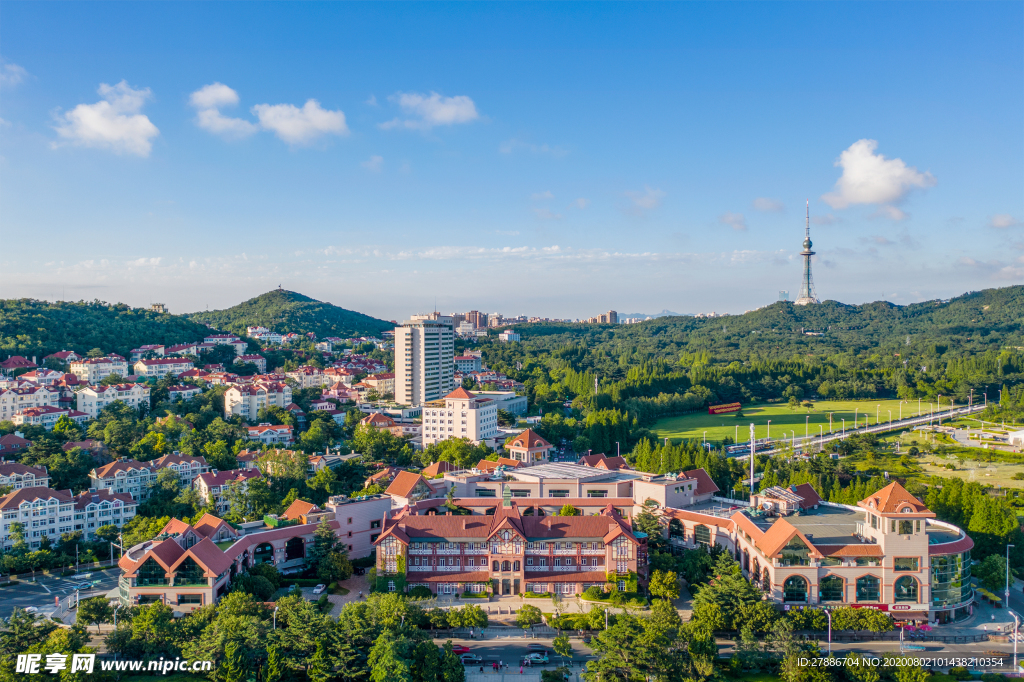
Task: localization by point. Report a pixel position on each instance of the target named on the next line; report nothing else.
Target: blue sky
(555, 159)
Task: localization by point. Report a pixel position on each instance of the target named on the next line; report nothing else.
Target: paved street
(41, 593)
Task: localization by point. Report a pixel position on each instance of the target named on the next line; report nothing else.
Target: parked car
(319, 588)
(537, 657)
(471, 659)
(458, 649)
(536, 647)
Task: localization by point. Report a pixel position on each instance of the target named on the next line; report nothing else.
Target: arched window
(515, 565)
(506, 566)
(906, 589)
(746, 561)
(189, 573)
(151, 573)
(831, 588)
(495, 567)
(263, 554)
(867, 589)
(702, 534)
(295, 549)
(766, 580)
(794, 589)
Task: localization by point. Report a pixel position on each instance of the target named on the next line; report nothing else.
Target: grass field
(986, 473)
(784, 419)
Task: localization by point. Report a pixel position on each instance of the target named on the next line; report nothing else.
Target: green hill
(973, 322)
(288, 312)
(32, 327)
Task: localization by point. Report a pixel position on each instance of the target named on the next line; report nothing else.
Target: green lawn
(225, 544)
(783, 419)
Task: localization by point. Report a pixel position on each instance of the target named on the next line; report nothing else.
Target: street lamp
(1008, 575)
(856, 419)
(844, 427)
(807, 426)
(890, 419)
(829, 616)
(275, 617)
(821, 437)
(704, 443)
(1016, 626)
(876, 413)
(769, 436)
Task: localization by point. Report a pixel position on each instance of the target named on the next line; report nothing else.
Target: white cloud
(734, 220)
(827, 219)
(432, 110)
(581, 203)
(300, 126)
(143, 262)
(509, 146)
(542, 196)
(891, 212)
(768, 205)
(1001, 221)
(374, 163)
(208, 101)
(545, 214)
(114, 123)
(870, 178)
(372, 101)
(647, 200)
(11, 74)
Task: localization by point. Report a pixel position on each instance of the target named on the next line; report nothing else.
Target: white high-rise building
(424, 359)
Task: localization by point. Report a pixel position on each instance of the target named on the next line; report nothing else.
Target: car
(31, 609)
(459, 649)
(319, 588)
(536, 657)
(536, 647)
(471, 659)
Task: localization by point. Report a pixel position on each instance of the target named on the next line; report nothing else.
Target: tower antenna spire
(807, 294)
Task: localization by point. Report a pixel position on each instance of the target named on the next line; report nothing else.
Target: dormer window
(906, 510)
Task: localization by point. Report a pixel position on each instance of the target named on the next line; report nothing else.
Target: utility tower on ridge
(807, 284)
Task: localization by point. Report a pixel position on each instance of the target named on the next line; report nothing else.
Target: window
(190, 599)
(905, 589)
(905, 563)
(597, 493)
(486, 492)
(906, 527)
(796, 553)
(794, 589)
(544, 562)
(375, 524)
(558, 493)
(831, 588)
(516, 566)
(506, 565)
(702, 534)
(622, 586)
(151, 573)
(520, 493)
(866, 561)
(495, 566)
(529, 561)
(867, 589)
(892, 526)
(350, 520)
(831, 561)
(391, 586)
(918, 525)
(189, 573)
(874, 520)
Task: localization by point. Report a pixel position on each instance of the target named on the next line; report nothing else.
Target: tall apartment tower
(424, 359)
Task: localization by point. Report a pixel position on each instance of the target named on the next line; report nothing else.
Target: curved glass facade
(951, 579)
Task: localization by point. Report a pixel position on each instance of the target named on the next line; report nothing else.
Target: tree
(646, 522)
(528, 616)
(66, 429)
(664, 584)
(329, 555)
(562, 647)
(568, 510)
(320, 668)
(95, 611)
(991, 572)
(274, 669)
(234, 664)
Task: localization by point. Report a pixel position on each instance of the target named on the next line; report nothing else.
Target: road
(808, 442)
(41, 593)
(512, 651)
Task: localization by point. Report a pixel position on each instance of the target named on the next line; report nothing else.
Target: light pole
(986, 400)
(736, 437)
(918, 407)
(830, 422)
(1016, 626)
(890, 419)
(855, 419)
(821, 437)
(844, 427)
(275, 617)
(829, 616)
(807, 426)
(617, 447)
(1007, 594)
(938, 408)
(705, 441)
(901, 409)
(115, 614)
(769, 436)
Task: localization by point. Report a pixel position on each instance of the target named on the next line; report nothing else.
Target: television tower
(807, 284)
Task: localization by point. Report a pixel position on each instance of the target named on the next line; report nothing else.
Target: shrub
(594, 593)
(420, 592)
(535, 595)
(959, 673)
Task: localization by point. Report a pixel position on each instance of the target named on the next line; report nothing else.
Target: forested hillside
(670, 366)
(289, 312)
(31, 327)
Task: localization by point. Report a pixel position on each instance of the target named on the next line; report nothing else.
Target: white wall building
(158, 367)
(18, 398)
(92, 399)
(247, 400)
(424, 360)
(20, 476)
(47, 417)
(95, 370)
(50, 513)
(460, 415)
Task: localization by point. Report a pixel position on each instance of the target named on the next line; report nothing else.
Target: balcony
(567, 569)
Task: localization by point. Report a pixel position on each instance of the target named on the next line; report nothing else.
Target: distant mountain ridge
(291, 312)
(663, 313)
